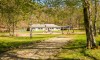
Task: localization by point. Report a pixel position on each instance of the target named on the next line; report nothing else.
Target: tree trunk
(62, 28)
(31, 27)
(69, 25)
(99, 30)
(9, 24)
(13, 28)
(88, 24)
(30, 32)
(72, 28)
(95, 19)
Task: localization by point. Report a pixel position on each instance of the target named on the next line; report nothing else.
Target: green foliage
(46, 11)
(73, 3)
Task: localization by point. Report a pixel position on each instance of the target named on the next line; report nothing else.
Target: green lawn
(7, 43)
(59, 31)
(76, 50)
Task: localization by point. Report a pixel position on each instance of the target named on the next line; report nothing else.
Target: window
(40, 28)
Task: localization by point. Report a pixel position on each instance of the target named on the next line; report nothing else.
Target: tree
(91, 43)
(7, 8)
(95, 18)
(12, 9)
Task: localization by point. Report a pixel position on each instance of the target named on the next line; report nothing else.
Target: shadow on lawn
(69, 59)
(83, 51)
(14, 57)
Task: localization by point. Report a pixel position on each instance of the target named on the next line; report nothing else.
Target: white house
(45, 27)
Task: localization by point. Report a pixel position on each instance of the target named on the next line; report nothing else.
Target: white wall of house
(43, 29)
(38, 29)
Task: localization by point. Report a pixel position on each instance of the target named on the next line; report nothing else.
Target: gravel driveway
(47, 49)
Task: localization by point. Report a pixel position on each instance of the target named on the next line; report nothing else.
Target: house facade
(45, 27)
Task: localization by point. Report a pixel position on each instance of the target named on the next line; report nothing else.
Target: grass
(76, 50)
(40, 31)
(56, 31)
(7, 43)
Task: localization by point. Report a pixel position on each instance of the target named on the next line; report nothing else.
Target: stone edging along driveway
(47, 49)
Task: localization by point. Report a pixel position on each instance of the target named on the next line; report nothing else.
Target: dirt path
(47, 49)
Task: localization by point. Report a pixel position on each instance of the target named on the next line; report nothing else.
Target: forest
(19, 15)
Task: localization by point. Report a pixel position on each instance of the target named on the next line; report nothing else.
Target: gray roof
(44, 25)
